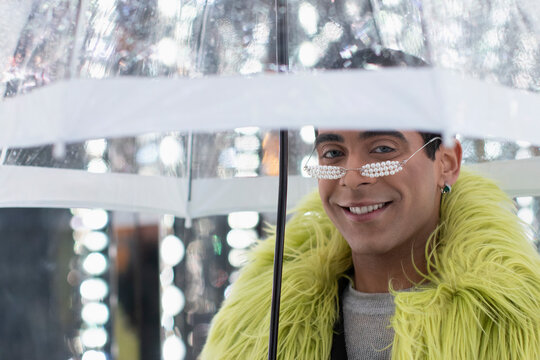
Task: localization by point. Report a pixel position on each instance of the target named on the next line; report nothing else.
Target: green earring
(446, 189)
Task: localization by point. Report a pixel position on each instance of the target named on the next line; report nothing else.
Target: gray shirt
(366, 317)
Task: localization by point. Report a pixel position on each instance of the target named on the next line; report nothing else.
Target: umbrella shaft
(278, 254)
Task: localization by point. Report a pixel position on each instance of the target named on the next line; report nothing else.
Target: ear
(450, 163)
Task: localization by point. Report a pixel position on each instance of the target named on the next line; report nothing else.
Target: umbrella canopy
(117, 69)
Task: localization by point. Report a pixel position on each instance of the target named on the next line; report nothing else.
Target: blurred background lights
(168, 8)
(94, 355)
(167, 322)
(147, 154)
(526, 214)
(95, 240)
(97, 166)
(167, 50)
(307, 133)
(106, 4)
(351, 8)
(493, 149)
(308, 54)
(524, 144)
(237, 257)
(309, 17)
(172, 300)
(523, 153)
(168, 220)
(166, 276)
(251, 66)
(241, 238)
(94, 337)
(170, 151)
(332, 31)
(524, 201)
(247, 161)
(391, 2)
(173, 348)
(491, 37)
(94, 289)
(188, 12)
(95, 263)
(172, 250)
(95, 313)
(94, 219)
(96, 147)
(247, 143)
(243, 219)
(391, 23)
(249, 130)
(499, 16)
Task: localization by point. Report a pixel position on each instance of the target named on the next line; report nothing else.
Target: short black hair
(432, 148)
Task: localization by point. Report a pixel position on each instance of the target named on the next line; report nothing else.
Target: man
(383, 265)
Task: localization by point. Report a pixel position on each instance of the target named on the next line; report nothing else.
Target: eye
(383, 149)
(332, 154)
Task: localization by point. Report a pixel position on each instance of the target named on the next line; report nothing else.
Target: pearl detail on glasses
(384, 168)
(373, 170)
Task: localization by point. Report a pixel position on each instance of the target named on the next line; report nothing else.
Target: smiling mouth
(361, 210)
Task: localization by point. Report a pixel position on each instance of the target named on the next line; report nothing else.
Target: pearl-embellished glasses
(378, 169)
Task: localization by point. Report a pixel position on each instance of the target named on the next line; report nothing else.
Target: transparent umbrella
(150, 106)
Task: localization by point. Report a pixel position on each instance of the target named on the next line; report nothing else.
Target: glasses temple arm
(426, 144)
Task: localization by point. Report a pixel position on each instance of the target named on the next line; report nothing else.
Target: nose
(353, 178)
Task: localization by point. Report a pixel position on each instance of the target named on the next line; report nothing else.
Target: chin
(370, 247)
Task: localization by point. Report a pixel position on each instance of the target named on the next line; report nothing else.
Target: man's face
(384, 215)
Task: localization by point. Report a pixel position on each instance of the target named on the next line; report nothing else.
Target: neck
(375, 273)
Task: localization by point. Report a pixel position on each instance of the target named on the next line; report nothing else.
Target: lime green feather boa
(481, 301)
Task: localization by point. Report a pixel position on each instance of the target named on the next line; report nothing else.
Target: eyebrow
(321, 138)
(362, 136)
(369, 134)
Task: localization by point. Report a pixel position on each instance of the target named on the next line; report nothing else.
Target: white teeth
(365, 209)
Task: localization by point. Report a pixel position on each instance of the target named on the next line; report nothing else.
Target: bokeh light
(97, 166)
(526, 214)
(95, 313)
(241, 238)
(94, 355)
(308, 17)
(171, 250)
(172, 300)
(307, 133)
(96, 147)
(94, 289)
(95, 263)
(237, 257)
(173, 348)
(170, 151)
(94, 219)
(243, 219)
(95, 240)
(95, 337)
(524, 201)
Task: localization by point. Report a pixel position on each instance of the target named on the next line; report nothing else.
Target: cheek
(326, 189)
